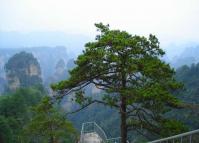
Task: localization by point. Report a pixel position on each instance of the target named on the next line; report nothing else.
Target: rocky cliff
(22, 70)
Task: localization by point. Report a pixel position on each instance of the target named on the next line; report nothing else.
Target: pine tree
(136, 82)
(48, 125)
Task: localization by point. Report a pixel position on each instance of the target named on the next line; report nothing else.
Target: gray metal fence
(93, 128)
(188, 137)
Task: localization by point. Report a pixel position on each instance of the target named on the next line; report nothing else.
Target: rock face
(32, 70)
(60, 67)
(61, 72)
(22, 70)
(2, 83)
(46, 56)
(14, 82)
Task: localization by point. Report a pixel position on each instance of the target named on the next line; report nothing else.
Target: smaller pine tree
(48, 125)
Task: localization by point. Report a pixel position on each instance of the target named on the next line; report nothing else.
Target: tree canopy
(15, 113)
(134, 80)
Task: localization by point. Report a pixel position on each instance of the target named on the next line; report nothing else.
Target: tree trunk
(123, 126)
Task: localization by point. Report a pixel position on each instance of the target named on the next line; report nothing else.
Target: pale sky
(170, 20)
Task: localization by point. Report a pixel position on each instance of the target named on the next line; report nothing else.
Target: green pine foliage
(5, 130)
(136, 82)
(14, 111)
(48, 125)
(28, 116)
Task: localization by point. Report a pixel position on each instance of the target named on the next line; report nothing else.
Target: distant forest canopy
(18, 108)
(27, 117)
(190, 77)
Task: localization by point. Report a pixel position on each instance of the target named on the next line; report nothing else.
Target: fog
(71, 22)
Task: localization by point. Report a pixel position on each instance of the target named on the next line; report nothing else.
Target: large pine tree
(136, 82)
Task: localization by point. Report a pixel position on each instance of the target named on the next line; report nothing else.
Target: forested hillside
(189, 76)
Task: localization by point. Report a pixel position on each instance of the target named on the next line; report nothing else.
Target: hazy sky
(170, 20)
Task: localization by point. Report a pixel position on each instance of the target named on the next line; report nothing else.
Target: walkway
(92, 133)
(91, 138)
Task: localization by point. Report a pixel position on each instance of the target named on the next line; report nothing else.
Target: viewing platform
(93, 133)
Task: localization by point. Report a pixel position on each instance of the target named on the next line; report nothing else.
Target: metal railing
(188, 137)
(93, 128)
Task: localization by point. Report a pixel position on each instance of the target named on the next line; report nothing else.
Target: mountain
(43, 45)
(47, 57)
(189, 56)
(22, 70)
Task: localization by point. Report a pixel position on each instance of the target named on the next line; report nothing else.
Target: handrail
(177, 136)
(95, 128)
(101, 130)
(81, 137)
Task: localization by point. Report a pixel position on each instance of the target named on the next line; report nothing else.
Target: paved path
(92, 138)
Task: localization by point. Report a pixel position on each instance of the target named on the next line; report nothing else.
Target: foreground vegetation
(28, 116)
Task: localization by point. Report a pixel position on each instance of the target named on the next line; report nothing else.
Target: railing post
(190, 139)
